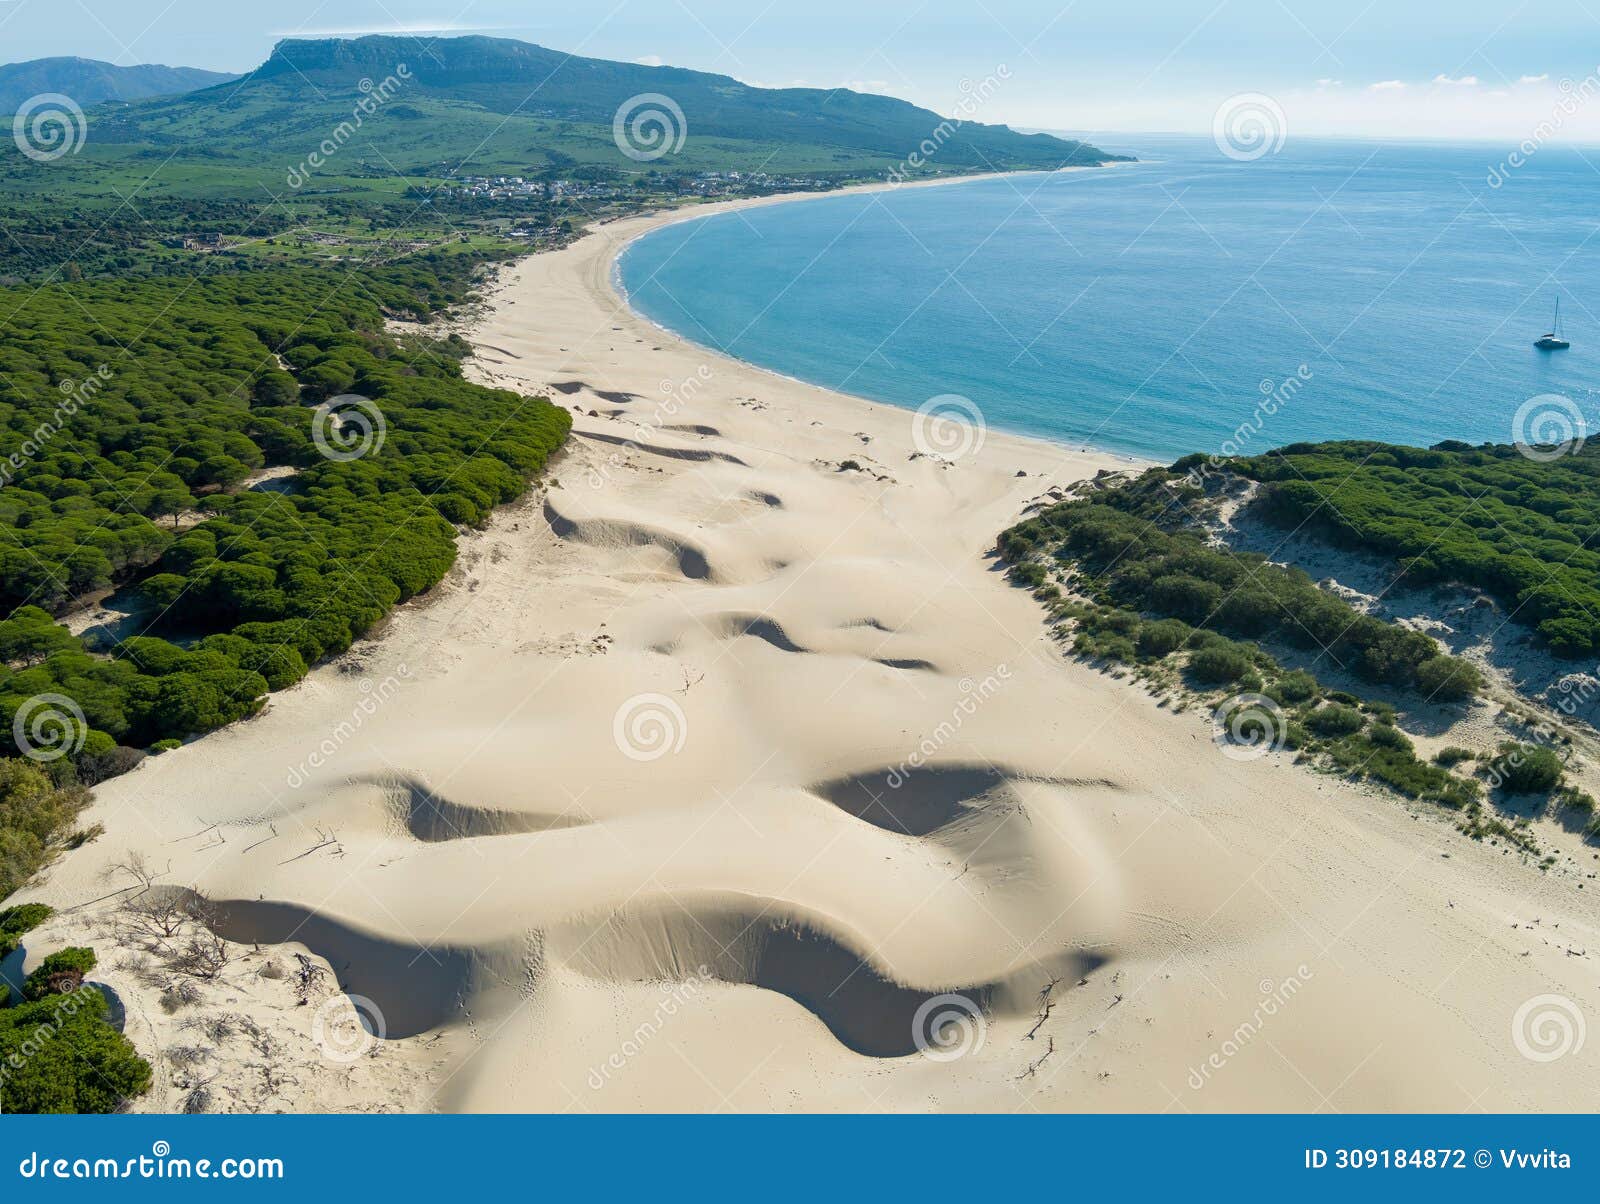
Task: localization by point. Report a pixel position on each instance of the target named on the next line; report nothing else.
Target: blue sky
(1485, 68)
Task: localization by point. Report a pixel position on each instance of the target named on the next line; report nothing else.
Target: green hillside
(485, 106)
(91, 82)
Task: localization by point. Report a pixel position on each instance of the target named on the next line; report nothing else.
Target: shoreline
(712, 719)
(650, 223)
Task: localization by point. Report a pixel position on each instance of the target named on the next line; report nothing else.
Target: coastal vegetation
(37, 814)
(1518, 528)
(1133, 577)
(132, 417)
(58, 1050)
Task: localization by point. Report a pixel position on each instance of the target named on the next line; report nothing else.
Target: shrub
(15, 922)
(1221, 664)
(1448, 679)
(1185, 597)
(1294, 686)
(1029, 573)
(1386, 735)
(75, 961)
(1162, 637)
(35, 817)
(1526, 769)
(1452, 754)
(61, 1056)
(167, 745)
(1114, 648)
(1335, 719)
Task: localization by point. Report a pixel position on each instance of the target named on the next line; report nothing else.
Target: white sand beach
(717, 762)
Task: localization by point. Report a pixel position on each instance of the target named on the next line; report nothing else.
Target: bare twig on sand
(1046, 1003)
(1033, 1067)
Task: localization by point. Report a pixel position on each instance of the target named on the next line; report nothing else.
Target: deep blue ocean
(1151, 308)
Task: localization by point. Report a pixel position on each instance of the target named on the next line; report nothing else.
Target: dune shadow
(416, 988)
(746, 945)
(432, 818)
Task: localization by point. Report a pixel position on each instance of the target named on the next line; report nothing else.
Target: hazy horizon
(1463, 71)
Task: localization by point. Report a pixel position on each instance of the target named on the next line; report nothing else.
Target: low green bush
(1386, 735)
(1335, 719)
(59, 1055)
(1525, 769)
(1448, 679)
(1294, 686)
(16, 922)
(1221, 665)
(1162, 637)
(73, 962)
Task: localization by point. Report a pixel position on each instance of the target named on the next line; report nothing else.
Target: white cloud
(1330, 83)
(648, 60)
(1388, 85)
(1534, 79)
(1465, 81)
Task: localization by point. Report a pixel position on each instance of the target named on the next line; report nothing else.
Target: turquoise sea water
(1151, 308)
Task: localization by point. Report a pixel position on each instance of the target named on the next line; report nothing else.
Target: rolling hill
(91, 82)
(478, 104)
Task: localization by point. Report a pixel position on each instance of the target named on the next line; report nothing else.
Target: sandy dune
(716, 767)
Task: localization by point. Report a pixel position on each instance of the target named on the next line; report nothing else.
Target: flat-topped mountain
(467, 94)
